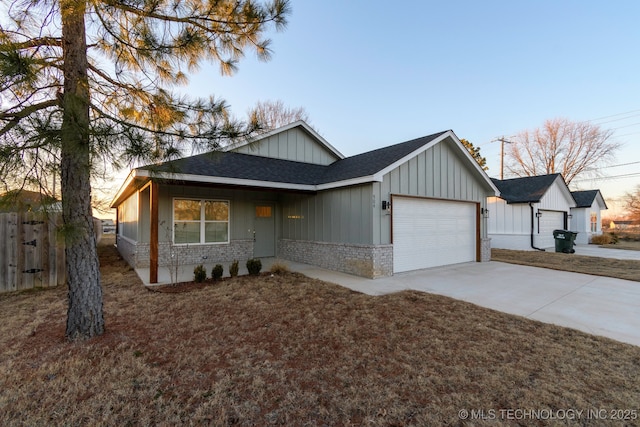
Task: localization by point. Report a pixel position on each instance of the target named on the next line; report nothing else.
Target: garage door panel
(549, 221)
(429, 233)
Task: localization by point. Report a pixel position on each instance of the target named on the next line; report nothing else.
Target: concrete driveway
(594, 250)
(596, 305)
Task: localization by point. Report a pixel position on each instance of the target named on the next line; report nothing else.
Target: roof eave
(125, 189)
(226, 181)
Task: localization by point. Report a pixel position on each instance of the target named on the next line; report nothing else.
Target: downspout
(532, 229)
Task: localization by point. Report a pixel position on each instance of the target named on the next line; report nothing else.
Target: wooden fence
(31, 255)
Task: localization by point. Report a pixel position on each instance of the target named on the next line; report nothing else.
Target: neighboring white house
(586, 217)
(527, 212)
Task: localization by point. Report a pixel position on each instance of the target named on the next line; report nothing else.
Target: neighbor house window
(200, 221)
(594, 222)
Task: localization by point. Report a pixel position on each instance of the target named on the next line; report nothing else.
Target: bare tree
(274, 114)
(561, 146)
(632, 203)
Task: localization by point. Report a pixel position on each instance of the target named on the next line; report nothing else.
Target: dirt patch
(290, 350)
(608, 267)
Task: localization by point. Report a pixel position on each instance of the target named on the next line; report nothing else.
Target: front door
(264, 231)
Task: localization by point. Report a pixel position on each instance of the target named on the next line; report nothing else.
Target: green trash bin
(565, 241)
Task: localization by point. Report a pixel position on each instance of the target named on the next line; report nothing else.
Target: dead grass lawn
(609, 267)
(630, 245)
(289, 350)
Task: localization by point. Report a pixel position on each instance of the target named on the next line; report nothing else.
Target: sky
(371, 73)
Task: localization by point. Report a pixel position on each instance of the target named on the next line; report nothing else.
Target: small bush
(233, 268)
(602, 239)
(199, 274)
(216, 272)
(279, 268)
(254, 265)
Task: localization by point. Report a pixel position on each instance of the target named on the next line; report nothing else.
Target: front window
(594, 222)
(200, 221)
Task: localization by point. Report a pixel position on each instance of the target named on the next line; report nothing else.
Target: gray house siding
(439, 172)
(294, 144)
(241, 225)
(334, 229)
(341, 215)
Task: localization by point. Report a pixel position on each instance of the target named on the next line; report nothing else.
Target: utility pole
(502, 140)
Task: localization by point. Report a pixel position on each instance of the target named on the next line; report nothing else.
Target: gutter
(532, 228)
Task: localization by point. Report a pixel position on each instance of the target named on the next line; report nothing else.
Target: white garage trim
(433, 232)
(547, 222)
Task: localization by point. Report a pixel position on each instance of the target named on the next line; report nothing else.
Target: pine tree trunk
(84, 317)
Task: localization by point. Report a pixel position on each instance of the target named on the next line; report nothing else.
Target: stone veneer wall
(137, 254)
(127, 249)
(485, 249)
(369, 261)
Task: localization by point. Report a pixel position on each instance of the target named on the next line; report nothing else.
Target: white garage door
(549, 221)
(429, 233)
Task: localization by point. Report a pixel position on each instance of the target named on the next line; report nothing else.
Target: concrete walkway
(596, 305)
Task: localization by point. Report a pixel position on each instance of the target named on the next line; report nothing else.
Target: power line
(605, 178)
(612, 115)
(612, 166)
(617, 120)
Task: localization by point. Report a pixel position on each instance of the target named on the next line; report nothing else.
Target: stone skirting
(371, 261)
(485, 249)
(137, 254)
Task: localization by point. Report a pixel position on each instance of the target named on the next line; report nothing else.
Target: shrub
(279, 268)
(602, 239)
(233, 268)
(614, 237)
(199, 274)
(254, 265)
(216, 272)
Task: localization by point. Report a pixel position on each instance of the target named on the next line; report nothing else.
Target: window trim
(202, 221)
(593, 225)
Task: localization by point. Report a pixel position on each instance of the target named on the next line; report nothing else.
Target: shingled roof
(258, 168)
(526, 189)
(584, 199)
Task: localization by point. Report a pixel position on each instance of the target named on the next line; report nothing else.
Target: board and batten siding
(440, 172)
(342, 215)
(294, 144)
(515, 218)
(557, 198)
(508, 218)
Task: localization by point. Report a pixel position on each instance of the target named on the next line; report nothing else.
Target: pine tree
(85, 82)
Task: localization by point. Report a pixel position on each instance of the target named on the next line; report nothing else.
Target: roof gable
(296, 141)
(586, 198)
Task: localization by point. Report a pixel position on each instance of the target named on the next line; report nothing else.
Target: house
(586, 217)
(108, 226)
(621, 224)
(292, 195)
(527, 211)
(22, 200)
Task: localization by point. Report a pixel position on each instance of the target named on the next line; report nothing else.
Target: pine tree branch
(13, 118)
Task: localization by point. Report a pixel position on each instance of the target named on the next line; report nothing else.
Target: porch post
(153, 235)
